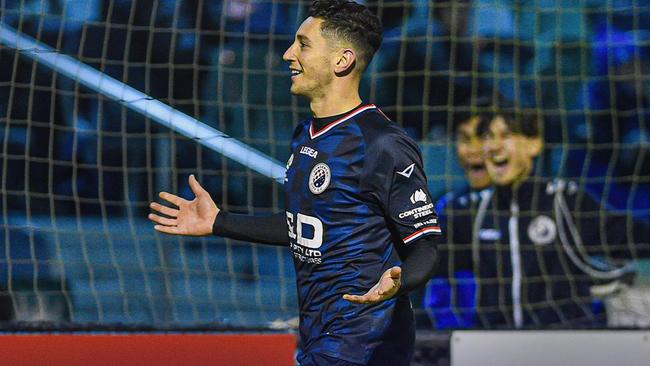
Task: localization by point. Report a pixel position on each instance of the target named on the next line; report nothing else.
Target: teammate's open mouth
(476, 168)
(295, 72)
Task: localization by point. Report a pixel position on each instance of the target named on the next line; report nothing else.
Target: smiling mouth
(295, 72)
(500, 162)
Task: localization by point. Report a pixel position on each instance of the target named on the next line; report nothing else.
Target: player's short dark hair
(520, 120)
(351, 22)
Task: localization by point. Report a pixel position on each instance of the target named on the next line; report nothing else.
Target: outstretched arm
(201, 216)
(269, 229)
(417, 268)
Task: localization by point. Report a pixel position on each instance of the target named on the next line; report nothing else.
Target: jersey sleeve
(395, 172)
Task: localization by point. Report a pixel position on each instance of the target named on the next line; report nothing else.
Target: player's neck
(336, 101)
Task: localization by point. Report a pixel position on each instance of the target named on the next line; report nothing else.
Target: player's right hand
(195, 217)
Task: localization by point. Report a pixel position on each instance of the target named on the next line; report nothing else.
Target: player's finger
(365, 299)
(174, 230)
(196, 187)
(164, 209)
(171, 198)
(353, 298)
(395, 272)
(162, 220)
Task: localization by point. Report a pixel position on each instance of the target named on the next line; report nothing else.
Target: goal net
(105, 103)
(101, 102)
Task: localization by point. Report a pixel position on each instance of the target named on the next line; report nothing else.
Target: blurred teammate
(469, 147)
(537, 247)
(450, 296)
(359, 217)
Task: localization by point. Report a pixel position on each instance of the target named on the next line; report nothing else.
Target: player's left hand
(387, 287)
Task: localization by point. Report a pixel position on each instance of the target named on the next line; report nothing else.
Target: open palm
(386, 287)
(195, 217)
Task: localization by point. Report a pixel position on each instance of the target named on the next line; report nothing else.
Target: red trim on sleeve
(417, 234)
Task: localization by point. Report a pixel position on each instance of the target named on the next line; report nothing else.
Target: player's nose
(490, 147)
(289, 54)
(475, 149)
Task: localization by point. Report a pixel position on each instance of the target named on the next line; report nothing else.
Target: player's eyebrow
(302, 38)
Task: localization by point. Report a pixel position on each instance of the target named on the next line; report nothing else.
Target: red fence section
(147, 349)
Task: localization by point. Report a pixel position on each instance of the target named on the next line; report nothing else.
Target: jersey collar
(362, 108)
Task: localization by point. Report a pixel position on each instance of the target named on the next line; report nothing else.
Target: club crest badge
(542, 230)
(319, 179)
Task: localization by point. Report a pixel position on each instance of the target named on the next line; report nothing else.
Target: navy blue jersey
(356, 193)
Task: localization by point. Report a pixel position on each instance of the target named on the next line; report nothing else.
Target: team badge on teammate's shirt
(542, 230)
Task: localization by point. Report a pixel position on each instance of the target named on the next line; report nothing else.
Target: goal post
(142, 103)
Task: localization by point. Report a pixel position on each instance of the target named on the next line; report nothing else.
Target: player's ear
(345, 62)
(534, 146)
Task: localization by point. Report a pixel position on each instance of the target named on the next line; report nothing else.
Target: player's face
(309, 60)
(470, 153)
(508, 156)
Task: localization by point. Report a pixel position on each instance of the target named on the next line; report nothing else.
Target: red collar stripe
(419, 233)
(382, 113)
(338, 121)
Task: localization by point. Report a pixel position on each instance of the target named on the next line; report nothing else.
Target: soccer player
(359, 218)
(537, 246)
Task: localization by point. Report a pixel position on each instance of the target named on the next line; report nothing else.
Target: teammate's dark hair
(481, 107)
(351, 22)
(521, 120)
